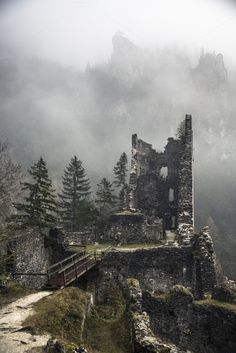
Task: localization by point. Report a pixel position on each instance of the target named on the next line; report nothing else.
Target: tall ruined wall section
(185, 190)
(133, 174)
(169, 195)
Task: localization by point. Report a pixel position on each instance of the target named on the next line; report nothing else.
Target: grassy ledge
(102, 247)
(105, 328)
(216, 303)
(60, 315)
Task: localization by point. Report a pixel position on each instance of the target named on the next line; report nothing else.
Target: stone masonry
(161, 187)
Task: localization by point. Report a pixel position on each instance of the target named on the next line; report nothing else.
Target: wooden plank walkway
(67, 271)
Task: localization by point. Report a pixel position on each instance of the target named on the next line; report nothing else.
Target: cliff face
(210, 73)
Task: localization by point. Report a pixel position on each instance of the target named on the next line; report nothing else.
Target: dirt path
(12, 340)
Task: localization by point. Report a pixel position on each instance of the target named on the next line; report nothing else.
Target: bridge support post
(64, 278)
(76, 273)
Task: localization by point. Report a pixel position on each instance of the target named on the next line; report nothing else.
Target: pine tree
(75, 205)
(39, 206)
(105, 198)
(120, 172)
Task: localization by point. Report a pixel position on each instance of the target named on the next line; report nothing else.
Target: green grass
(138, 246)
(128, 213)
(60, 314)
(94, 247)
(101, 247)
(216, 303)
(13, 291)
(105, 329)
(107, 335)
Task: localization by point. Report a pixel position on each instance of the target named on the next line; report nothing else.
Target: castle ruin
(160, 202)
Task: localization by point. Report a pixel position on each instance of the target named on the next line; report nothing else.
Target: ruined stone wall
(133, 228)
(185, 190)
(160, 268)
(80, 238)
(30, 256)
(142, 337)
(204, 263)
(156, 268)
(133, 174)
(199, 326)
(29, 253)
(150, 187)
(161, 182)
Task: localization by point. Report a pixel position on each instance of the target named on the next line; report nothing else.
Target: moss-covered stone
(133, 282)
(226, 292)
(180, 296)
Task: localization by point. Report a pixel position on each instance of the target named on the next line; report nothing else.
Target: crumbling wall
(80, 238)
(204, 263)
(132, 228)
(202, 326)
(30, 253)
(157, 269)
(185, 189)
(133, 174)
(142, 337)
(160, 268)
(161, 182)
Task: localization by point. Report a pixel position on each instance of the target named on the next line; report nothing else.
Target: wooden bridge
(64, 272)
(68, 270)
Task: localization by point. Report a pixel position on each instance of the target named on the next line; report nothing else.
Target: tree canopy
(75, 207)
(39, 205)
(105, 198)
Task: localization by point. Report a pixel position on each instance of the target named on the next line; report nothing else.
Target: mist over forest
(56, 111)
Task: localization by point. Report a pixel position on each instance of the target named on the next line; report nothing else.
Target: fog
(79, 77)
(75, 32)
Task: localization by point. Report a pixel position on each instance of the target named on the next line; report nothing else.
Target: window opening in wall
(173, 222)
(164, 172)
(171, 195)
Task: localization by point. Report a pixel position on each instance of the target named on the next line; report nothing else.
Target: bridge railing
(69, 269)
(68, 260)
(76, 267)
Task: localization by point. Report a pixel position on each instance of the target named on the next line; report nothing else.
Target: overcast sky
(75, 32)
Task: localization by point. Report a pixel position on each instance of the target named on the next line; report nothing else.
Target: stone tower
(161, 183)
